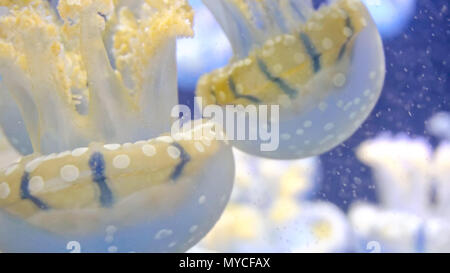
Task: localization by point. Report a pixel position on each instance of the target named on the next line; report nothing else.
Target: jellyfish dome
(323, 68)
(94, 83)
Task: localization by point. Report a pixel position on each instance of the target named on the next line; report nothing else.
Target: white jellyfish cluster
(413, 185)
(270, 211)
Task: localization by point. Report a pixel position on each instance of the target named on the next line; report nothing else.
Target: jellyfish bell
(155, 193)
(324, 69)
(95, 84)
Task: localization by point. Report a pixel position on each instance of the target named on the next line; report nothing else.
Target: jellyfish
(412, 186)
(94, 82)
(323, 68)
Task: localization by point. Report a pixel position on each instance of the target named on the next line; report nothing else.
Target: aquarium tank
(211, 126)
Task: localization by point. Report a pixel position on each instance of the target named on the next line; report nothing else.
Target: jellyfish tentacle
(296, 11)
(109, 103)
(254, 22)
(12, 124)
(33, 71)
(155, 101)
(14, 79)
(46, 90)
(82, 62)
(144, 50)
(240, 33)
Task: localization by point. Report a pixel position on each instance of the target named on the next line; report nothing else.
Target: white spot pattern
(121, 161)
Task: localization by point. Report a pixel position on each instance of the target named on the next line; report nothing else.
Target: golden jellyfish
(93, 82)
(324, 68)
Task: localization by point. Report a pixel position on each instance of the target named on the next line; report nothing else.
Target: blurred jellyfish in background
(413, 184)
(271, 208)
(319, 227)
(391, 16)
(270, 211)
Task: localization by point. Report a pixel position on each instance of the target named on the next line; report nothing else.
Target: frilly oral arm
(80, 58)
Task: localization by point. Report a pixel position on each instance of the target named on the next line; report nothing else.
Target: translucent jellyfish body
(324, 69)
(84, 77)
